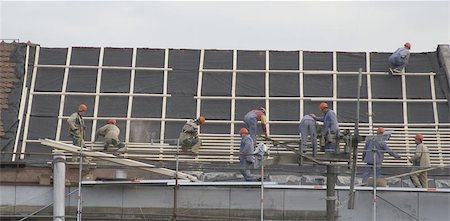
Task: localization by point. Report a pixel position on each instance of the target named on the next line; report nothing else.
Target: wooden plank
(417, 171)
(115, 159)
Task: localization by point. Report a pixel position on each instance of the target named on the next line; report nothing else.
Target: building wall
(133, 202)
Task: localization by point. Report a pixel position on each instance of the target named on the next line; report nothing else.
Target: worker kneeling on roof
(111, 134)
(189, 140)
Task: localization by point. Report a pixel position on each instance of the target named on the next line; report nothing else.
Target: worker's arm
(100, 132)
(72, 121)
(417, 154)
(317, 118)
(248, 150)
(264, 124)
(404, 53)
(190, 128)
(390, 152)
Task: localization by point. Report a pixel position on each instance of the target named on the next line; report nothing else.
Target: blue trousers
(308, 128)
(251, 122)
(368, 171)
(397, 63)
(244, 168)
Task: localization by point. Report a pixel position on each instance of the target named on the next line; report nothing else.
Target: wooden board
(112, 158)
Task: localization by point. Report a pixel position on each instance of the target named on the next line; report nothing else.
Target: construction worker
(247, 159)
(251, 120)
(111, 134)
(399, 59)
(189, 140)
(375, 147)
(330, 128)
(420, 160)
(77, 126)
(307, 128)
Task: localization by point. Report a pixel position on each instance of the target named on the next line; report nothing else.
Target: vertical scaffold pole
(262, 190)
(331, 193)
(374, 209)
(175, 189)
(59, 180)
(80, 176)
(351, 192)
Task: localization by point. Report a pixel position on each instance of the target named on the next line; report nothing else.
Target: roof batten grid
(315, 72)
(199, 86)
(266, 97)
(405, 113)
(436, 119)
(335, 82)
(266, 90)
(101, 94)
(300, 78)
(63, 95)
(319, 99)
(30, 102)
(131, 97)
(22, 104)
(233, 100)
(105, 67)
(164, 102)
(369, 105)
(369, 93)
(97, 91)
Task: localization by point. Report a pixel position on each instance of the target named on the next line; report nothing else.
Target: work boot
(122, 150)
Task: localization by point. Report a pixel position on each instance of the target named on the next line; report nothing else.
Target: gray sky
(302, 25)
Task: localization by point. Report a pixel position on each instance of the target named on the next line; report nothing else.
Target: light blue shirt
(400, 57)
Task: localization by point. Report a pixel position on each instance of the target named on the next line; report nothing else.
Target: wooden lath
(111, 158)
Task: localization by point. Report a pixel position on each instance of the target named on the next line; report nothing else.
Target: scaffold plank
(115, 159)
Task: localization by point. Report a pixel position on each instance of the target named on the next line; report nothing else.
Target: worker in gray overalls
(77, 126)
(307, 128)
(189, 140)
(111, 134)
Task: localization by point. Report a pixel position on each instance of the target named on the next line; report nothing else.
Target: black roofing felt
(183, 80)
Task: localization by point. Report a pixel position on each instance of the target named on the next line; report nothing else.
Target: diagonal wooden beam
(111, 158)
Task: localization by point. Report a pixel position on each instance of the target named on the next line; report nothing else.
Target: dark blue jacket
(377, 142)
(329, 122)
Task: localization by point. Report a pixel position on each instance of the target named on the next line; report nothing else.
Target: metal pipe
(331, 193)
(351, 192)
(262, 191)
(59, 180)
(374, 208)
(175, 188)
(79, 206)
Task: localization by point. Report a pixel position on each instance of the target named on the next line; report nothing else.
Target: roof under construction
(153, 92)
